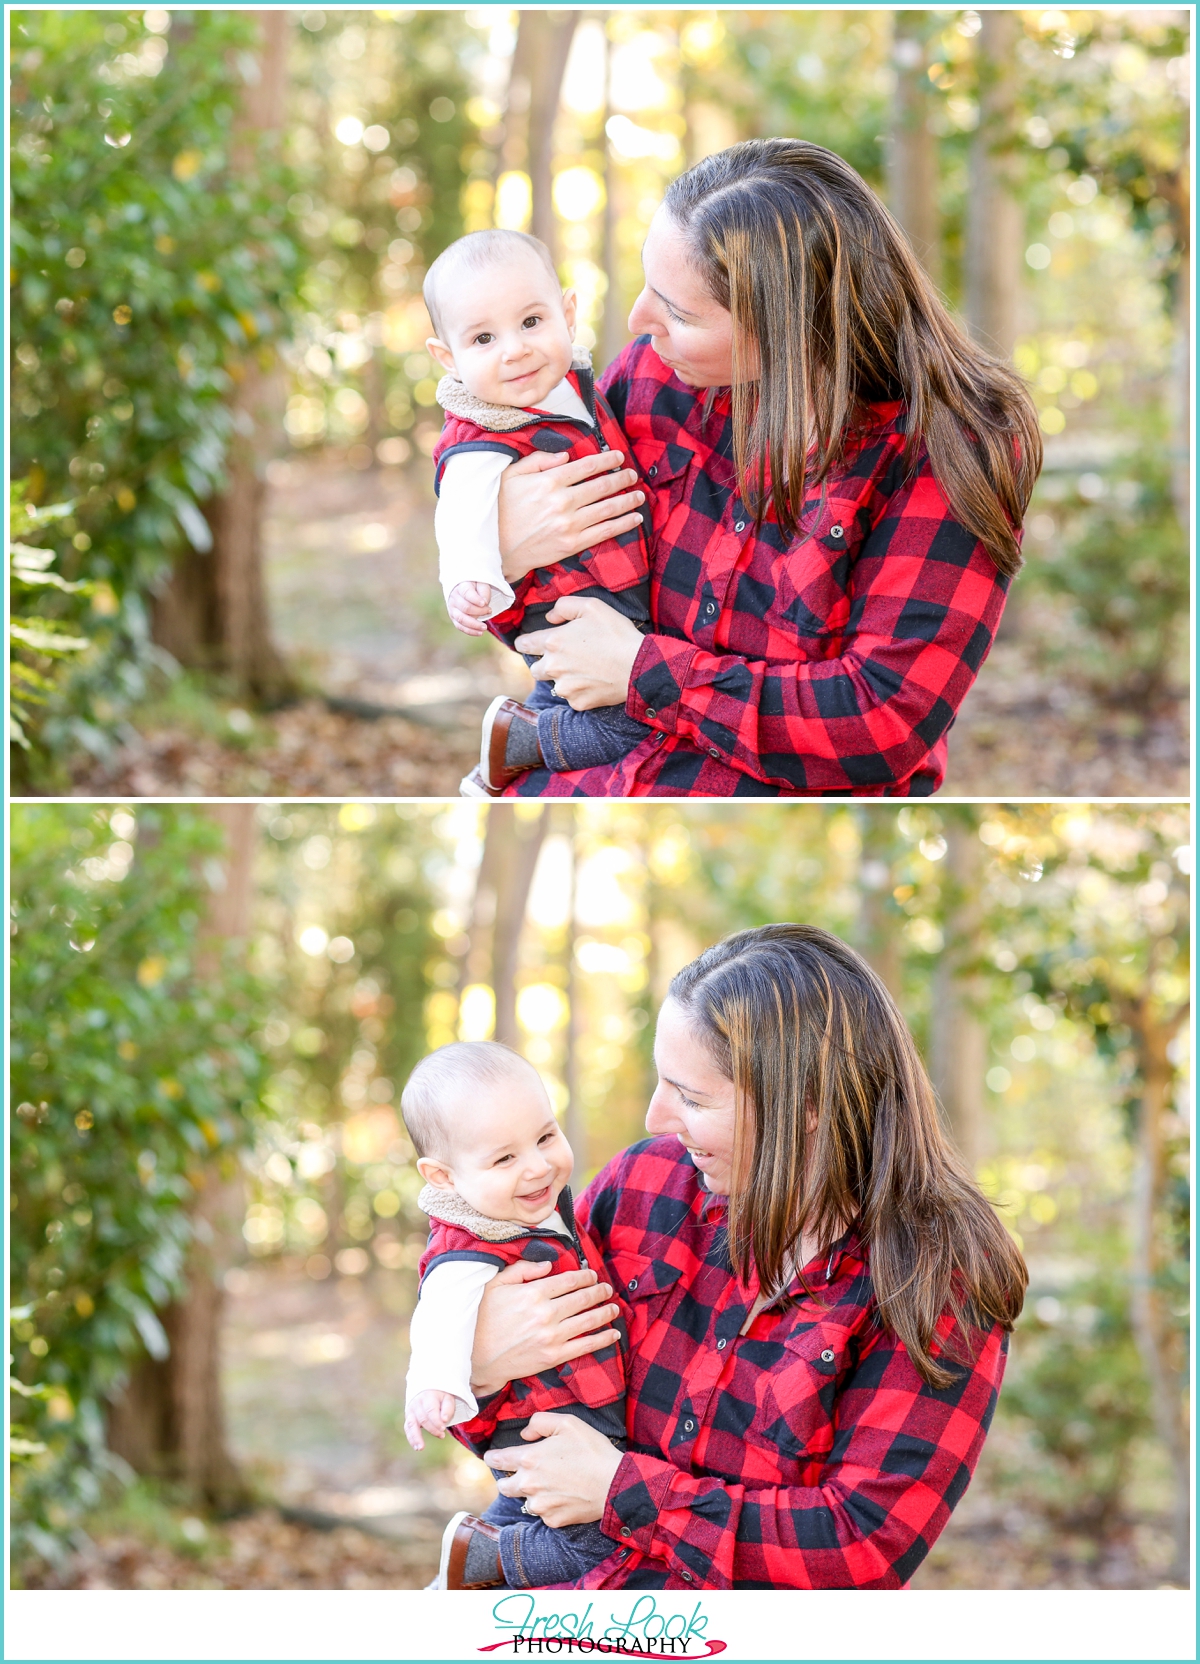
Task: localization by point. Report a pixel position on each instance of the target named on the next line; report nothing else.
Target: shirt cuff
(660, 674)
(635, 1497)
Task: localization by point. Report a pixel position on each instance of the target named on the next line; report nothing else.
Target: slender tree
(170, 1420)
(957, 1038)
(994, 213)
(912, 158)
(214, 612)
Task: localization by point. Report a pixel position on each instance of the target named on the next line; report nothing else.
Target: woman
(838, 478)
(817, 1295)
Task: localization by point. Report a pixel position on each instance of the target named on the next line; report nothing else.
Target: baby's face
(508, 331)
(508, 1159)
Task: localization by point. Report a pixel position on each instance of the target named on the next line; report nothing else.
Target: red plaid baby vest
(619, 563)
(591, 1387)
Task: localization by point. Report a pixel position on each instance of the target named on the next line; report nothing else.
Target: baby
(515, 384)
(496, 1166)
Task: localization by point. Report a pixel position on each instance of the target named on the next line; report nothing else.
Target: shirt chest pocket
(647, 1286)
(813, 577)
(666, 468)
(800, 1402)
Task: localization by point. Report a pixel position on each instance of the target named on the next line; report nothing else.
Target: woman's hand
(566, 1476)
(550, 509)
(522, 1330)
(590, 657)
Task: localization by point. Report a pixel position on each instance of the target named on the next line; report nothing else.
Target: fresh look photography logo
(644, 1631)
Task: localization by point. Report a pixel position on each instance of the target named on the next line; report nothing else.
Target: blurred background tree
(1055, 935)
(263, 193)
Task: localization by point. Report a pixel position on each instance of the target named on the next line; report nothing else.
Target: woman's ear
(435, 1173)
(441, 352)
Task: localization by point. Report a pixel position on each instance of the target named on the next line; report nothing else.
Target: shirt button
(836, 531)
(626, 1531)
(713, 752)
(653, 471)
(689, 1426)
(633, 1284)
(711, 607)
(687, 1577)
(650, 711)
(827, 1356)
(720, 1346)
(623, 1554)
(740, 526)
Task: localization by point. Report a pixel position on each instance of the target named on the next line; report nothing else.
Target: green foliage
(37, 645)
(1078, 1382)
(152, 254)
(134, 1078)
(1122, 563)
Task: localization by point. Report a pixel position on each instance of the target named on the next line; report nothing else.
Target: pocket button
(827, 1356)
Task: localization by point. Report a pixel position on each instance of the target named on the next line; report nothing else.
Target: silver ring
(525, 1508)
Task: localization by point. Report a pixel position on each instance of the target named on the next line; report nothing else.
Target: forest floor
(394, 694)
(314, 1385)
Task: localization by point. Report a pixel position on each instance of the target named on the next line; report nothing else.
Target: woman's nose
(641, 319)
(661, 1119)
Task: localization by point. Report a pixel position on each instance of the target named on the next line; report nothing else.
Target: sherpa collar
(453, 396)
(449, 1206)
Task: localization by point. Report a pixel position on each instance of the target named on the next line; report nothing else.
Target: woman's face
(690, 331)
(693, 1100)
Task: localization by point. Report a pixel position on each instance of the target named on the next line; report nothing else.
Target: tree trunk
(995, 220)
(213, 614)
(170, 1420)
(957, 1039)
(510, 851)
(575, 1126)
(1158, 1342)
(879, 923)
(535, 83)
(613, 331)
(521, 847)
(912, 156)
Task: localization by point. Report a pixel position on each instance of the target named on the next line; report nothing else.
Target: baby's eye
(547, 1137)
(484, 339)
(531, 322)
(501, 1160)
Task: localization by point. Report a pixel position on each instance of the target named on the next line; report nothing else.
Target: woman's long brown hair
(831, 311)
(837, 1126)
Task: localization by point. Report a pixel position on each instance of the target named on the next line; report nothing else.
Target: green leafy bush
(37, 645)
(148, 262)
(135, 1080)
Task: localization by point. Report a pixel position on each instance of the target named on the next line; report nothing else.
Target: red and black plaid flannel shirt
(830, 665)
(805, 1454)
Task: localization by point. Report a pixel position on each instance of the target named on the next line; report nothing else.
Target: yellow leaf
(186, 165)
(170, 1088)
(246, 319)
(151, 971)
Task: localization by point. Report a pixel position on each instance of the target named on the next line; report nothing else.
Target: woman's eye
(688, 1103)
(674, 316)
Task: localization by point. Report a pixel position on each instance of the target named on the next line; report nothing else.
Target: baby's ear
(435, 1173)
(570, 307)
(441, 352)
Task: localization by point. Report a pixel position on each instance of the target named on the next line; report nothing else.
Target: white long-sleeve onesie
(466, 521)
(441, 1336)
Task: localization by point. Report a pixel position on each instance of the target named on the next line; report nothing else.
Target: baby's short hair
(475, 252)
(481, 1063)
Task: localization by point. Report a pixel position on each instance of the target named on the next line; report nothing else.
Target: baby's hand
(429, 1410)
(467, 604)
